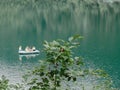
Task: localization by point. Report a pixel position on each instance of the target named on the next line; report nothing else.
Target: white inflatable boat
(28, 52)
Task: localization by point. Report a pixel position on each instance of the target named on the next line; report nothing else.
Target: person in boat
(20, 48)
(33, 48)
(27, 49)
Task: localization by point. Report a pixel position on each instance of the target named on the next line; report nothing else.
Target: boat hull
(27, 53)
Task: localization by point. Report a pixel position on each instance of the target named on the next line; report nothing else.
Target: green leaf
(71, 39)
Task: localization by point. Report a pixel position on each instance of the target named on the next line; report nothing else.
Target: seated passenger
(27, 49)
(33, 48)
(20, 48)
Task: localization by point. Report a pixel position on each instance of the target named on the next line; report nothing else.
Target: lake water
(100, 47)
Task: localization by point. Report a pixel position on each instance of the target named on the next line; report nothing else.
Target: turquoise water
(100, 47)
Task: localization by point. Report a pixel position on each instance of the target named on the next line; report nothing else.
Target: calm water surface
(100, 47)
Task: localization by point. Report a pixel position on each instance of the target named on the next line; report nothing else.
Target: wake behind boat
(28, 51)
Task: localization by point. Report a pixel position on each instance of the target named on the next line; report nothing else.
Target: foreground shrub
(61, 70)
